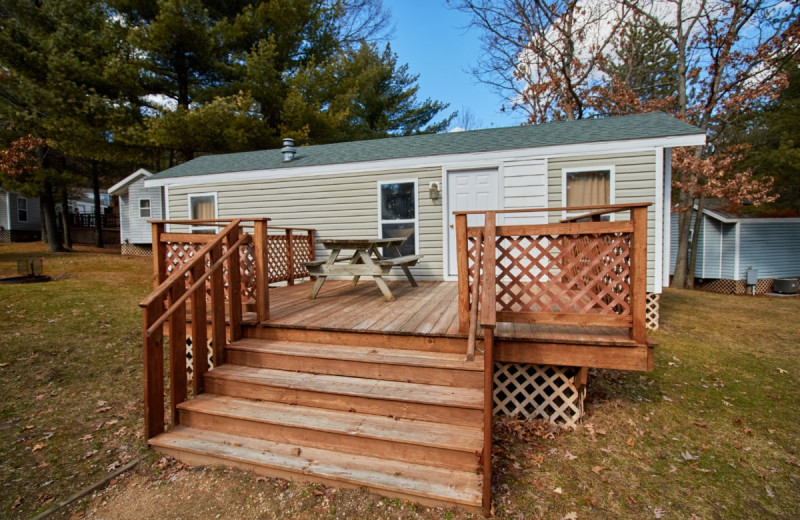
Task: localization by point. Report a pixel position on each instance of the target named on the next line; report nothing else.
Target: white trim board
(450, 161)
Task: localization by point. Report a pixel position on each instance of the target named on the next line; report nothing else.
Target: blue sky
(435, 44)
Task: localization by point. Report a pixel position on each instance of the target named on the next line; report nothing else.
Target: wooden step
(441, 445)
(435, 368)
(363, 338)
(396, 399)
(420, 483)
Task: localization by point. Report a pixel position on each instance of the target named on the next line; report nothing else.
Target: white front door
(468, 190)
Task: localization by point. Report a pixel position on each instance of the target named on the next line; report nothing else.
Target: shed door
(467, 191)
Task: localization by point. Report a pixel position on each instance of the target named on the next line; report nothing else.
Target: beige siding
(635, 181)
(344, 205)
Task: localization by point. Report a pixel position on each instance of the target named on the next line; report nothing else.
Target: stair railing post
(260, 244)
(218, 339)
(153, 361)
(489, 322)
(159, 254)
(177, 349)
(290, 256)
(234, 286)
(199, 331)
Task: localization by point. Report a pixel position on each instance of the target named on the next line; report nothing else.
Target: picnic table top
(359, 243)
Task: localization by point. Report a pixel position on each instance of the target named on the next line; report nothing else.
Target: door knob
(451, 226)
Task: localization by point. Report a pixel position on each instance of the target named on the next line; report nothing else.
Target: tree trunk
(65, 223)
(42, 225)
(48, 203)
(698, 219)
(682, 258)
(98, 216)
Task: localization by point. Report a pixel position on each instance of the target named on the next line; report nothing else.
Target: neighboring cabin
(377, 187)
(730, 243)
(20, 219)
(137, 205)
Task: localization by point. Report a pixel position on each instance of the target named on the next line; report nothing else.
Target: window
(144, 208)
(398, 214)
(22, 209)
(588, 187)
(203, 207)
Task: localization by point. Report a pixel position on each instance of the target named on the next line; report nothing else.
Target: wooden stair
(399, 422)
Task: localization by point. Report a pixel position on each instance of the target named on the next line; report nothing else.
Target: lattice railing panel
(179, 253)
(581, 274)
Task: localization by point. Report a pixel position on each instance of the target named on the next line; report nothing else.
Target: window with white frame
(203, 206)
(588, 187)
(144, 208)
(22, 210)
(397, 214)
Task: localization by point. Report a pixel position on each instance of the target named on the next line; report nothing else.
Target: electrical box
(752, 276)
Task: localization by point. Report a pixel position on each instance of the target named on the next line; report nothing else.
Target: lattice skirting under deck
(653, 309)
(190, 356)
(532, 391)
(137, 249)
(734, 286)
(5, 235)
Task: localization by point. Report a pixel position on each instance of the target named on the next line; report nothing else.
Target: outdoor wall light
(433, 190)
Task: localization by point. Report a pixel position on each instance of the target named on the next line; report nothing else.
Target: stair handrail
(156, 314)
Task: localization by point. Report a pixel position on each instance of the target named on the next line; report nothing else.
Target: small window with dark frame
(398, 215)
(144, 208)
(22, 210)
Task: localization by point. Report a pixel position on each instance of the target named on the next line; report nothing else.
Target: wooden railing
(279, 251)
(217, 274)
(167, 304)
(572, 273)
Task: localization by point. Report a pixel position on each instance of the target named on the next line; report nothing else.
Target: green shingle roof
(640, 126)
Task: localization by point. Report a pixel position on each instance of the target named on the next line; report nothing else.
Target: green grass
(71, 373)
(711, 433)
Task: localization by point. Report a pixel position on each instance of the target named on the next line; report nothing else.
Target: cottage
(20, 218)
(137, 205)
(377, 187)
(732, 245)
(539, 246)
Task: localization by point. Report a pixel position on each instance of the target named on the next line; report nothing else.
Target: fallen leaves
(688, 456)
(770, 491)
(598, 469)
(38, 447)
(17, 503)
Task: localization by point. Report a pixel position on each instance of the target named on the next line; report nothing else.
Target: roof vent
(288, 149)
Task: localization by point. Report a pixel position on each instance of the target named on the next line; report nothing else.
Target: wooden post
(260, 244)
(639, 274)
(488, 410)
(217, 308)
(489, 289)
(159, 255)
(177, 350)
(234, 286)
(462, 263)
(199, 331)
(153, 354)
(290, 256)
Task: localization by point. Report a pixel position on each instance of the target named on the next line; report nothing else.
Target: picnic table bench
(365, 261)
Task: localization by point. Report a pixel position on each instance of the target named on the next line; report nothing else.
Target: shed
(20, 217)
(137, 205)
(731, 242)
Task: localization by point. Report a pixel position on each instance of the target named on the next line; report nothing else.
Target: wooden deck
(430, 310)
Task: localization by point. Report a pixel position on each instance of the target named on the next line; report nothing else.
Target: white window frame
(149, 208)
(612, 183)
(19, 218)
(415, 220)
(203, 229)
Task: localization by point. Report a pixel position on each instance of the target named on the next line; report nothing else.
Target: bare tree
(544, 57)
(465, 120)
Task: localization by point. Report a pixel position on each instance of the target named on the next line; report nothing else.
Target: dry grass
(711, 433)
(71, 373)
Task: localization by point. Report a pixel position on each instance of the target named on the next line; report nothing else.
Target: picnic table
(366, 260)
